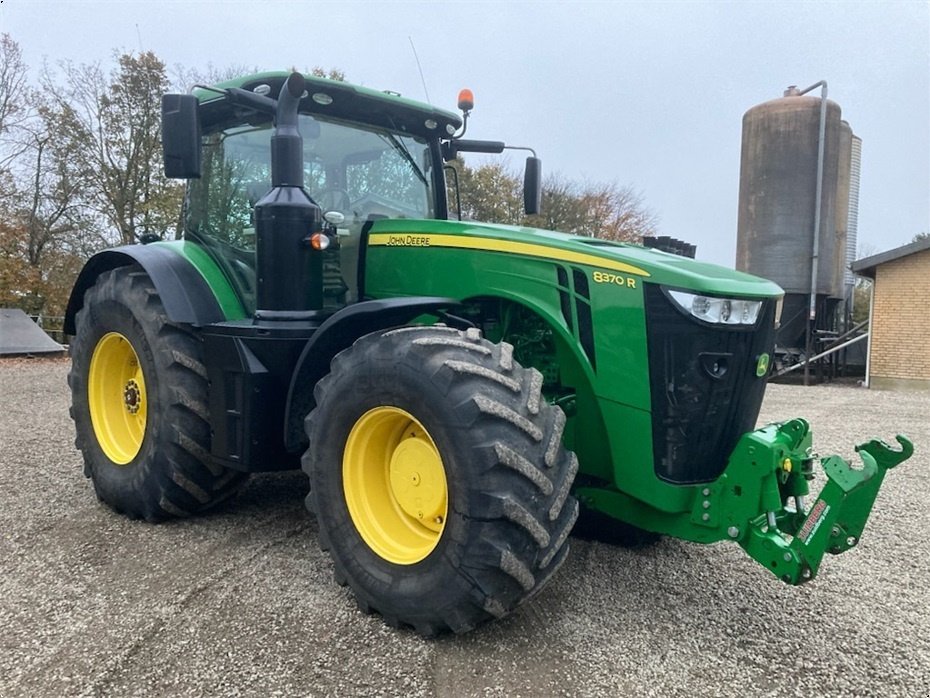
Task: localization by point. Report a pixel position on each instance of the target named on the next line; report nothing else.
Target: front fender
(339, 332)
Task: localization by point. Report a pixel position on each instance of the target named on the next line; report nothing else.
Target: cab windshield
(363, 173)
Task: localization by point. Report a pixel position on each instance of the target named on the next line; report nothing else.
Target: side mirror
(532, 186)
(180, 136)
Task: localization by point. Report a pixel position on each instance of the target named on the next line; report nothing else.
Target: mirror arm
(520, 147)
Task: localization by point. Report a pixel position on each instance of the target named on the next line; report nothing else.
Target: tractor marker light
(319, 241)
(718, 311)
(466, 100)
(779, 305)
(334, 218)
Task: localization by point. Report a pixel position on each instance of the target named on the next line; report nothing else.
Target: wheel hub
(420, 496)
(395, 486)
(132, 396)
(116, 398)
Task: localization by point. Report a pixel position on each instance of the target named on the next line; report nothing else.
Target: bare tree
(617, 213)
(331, 73)
(14, 110)
(492, 193)
(561, 207)
(605, 211)
(183, 78)
(47, 234)
(112, 123)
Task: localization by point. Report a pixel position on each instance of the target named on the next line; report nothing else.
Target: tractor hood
(633, 260)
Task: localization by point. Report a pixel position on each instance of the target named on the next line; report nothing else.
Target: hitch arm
(834, 522)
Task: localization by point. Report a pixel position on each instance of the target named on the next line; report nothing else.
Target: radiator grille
(705, 392)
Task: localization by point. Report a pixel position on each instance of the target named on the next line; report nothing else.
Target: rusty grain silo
(778, 185)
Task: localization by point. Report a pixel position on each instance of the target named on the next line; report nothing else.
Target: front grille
(705, 392)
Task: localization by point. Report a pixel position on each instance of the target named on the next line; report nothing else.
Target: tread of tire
(189, 481)
(530, 541)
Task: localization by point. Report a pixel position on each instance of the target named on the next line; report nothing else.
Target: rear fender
(185, 294)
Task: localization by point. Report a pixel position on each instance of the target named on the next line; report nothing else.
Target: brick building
(899, 340)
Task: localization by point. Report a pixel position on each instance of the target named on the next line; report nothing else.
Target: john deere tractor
(455, 391)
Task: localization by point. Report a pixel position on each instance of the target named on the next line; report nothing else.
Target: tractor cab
(361, 156)
(357, 164)
(359, 173)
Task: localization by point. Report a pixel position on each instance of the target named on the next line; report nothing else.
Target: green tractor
(455, 391)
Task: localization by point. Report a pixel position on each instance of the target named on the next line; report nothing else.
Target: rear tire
(139, 403)
(490, 523)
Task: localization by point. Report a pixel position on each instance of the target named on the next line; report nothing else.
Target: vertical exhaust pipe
(287, 145)
(290, 271)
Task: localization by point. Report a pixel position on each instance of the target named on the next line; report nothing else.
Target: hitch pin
(800, 505)
(770, 516)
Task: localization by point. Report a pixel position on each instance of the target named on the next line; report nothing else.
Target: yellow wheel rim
(395, 485)
(116, 395)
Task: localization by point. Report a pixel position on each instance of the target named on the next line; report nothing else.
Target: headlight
(779, 305)
(719, 311)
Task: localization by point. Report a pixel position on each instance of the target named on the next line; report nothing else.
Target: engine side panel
(594, 303)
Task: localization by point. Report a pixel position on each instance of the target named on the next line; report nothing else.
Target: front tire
(139, 403)
(438, 477)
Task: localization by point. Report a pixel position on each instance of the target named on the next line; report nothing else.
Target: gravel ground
(242, 602)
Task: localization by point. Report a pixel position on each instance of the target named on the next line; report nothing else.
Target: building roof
(866, 266)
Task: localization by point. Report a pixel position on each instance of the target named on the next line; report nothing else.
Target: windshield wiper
(402, 149)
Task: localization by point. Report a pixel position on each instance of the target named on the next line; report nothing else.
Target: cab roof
(343, 100)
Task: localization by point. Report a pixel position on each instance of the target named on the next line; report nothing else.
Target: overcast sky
(647, 94)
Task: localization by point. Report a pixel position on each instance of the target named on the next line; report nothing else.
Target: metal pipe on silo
(815, 251)
(841, 216)
(852, 225)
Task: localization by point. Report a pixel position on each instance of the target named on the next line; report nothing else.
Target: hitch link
(792, 542)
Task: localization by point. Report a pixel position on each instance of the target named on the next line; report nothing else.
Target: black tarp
(20, 335)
